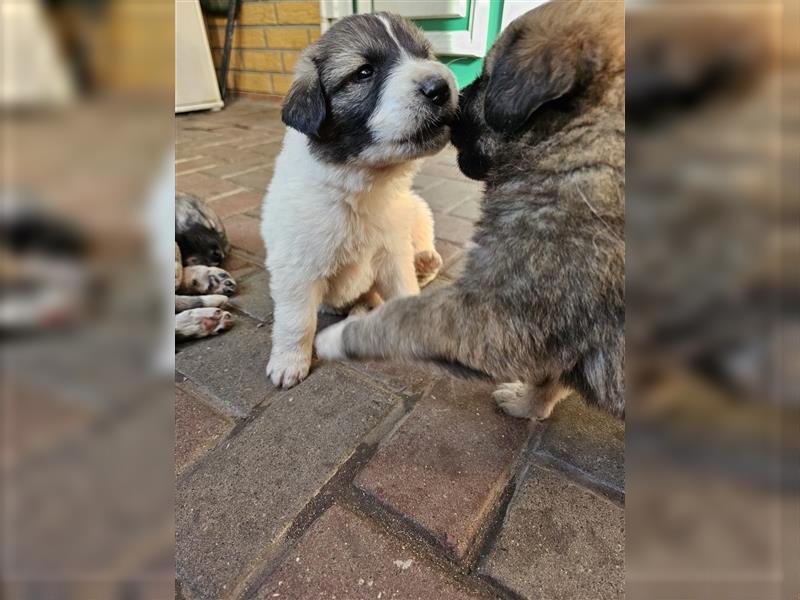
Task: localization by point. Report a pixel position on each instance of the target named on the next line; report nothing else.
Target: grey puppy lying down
(542, 300)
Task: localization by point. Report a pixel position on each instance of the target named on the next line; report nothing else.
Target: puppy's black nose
(436, 90)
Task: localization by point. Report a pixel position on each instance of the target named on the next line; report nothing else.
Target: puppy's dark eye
(364, 72)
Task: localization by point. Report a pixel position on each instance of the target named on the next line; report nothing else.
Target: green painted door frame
(466, 68)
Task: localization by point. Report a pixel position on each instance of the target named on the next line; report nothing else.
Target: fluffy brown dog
(541, 302)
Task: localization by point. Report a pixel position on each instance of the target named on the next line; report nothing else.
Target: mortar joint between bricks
(487, 534)
(581, 478)
(375, 382)
(419, 541)
(328, 495)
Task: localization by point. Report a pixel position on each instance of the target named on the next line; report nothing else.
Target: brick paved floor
(370, 480)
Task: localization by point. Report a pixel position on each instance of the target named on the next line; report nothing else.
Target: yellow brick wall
(267, 40)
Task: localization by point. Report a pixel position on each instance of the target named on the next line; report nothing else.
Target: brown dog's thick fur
(542, 296)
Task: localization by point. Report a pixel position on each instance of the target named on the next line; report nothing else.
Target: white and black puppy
(340, 222)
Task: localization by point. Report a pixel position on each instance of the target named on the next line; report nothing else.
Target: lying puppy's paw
(427, 264)
(329, 344)
(207, 280)
(287, 369)
(202, 322)
(513, 399)
(183, 303)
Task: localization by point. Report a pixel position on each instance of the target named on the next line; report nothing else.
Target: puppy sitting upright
(340, 222)
(541, 302)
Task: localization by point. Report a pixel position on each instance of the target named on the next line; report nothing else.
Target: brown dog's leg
(545, 396)
(440, 326)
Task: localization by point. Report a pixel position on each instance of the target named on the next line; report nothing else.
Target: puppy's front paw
(287, 369)
(329, 343)
(427, 264)
(513, 399)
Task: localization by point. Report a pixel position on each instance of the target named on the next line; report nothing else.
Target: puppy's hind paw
(202, 322)
(329, 342)
(427, 264)
(513, 399)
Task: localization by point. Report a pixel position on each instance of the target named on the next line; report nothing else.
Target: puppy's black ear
(523, 79)
(304, 106)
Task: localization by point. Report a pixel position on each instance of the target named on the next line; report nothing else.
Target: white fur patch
(388, 26)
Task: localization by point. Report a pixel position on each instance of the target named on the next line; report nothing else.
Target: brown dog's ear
(522, 80)
(304, 106)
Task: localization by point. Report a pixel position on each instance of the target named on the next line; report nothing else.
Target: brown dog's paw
(427, 264)
(513, 399)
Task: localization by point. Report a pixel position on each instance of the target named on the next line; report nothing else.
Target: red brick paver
(237, 203)
(203, 186)
(245, 232)
(342, 556)
(197, 428)
(447, 465)
(245, 494)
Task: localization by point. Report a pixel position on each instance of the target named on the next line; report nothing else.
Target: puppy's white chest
(357, 240)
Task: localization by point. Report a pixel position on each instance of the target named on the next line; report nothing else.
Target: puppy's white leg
(395, 276)
(427, 261)
(296, 306)
(422, 224)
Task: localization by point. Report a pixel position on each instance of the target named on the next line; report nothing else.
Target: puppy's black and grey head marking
(199, 233)
(371, 92)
